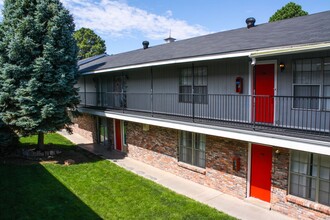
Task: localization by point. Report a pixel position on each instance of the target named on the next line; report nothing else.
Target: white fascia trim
(320, 147)
(174, 61)
(290, 50)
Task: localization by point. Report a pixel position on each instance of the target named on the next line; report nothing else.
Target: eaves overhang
(172, 61)
(256, 53)
(293, 49)
(302, 144)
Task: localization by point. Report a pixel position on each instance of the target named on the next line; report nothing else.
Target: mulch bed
(78, 155)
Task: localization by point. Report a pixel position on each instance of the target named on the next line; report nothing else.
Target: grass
(52, 140)
(98, 189)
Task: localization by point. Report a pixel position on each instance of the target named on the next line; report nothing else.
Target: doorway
(264, 91)
(118, 139)
(261, 167)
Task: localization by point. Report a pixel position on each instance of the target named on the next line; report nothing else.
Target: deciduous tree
(38, 66)
(89, 43)
(290, 10)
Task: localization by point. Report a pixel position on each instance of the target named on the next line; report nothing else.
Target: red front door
(264, 91)
(118, 135)
(261, 168)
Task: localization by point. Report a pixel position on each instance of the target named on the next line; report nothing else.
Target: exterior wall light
(282, 66)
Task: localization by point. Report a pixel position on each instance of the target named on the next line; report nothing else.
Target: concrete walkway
(242, 209)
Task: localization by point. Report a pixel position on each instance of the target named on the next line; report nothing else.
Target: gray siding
(156, 89)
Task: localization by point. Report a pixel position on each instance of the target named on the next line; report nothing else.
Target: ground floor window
(102, 130)
(192, 148)
(310, 176)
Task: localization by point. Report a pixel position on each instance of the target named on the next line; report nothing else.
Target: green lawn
(51, 140)
(98, 189)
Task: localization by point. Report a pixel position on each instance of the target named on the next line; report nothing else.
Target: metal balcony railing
(309, 114)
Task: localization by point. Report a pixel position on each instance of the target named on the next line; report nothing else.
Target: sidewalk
(241, 209)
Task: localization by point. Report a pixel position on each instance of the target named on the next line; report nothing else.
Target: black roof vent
(250, 22)
(145, 44)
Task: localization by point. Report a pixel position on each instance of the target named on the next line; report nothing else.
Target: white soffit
(314, 146)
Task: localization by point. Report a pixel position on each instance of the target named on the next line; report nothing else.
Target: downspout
(253, 65)
(248, 179)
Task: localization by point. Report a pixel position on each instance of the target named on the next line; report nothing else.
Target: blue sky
(124, 24)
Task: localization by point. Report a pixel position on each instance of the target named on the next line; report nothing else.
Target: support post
(192, 91)
(152, 92)
(85, 91)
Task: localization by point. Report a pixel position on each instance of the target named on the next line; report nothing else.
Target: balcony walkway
(255, 127)
(248, 209)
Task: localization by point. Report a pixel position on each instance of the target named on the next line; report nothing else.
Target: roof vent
(169, 39)
(250, 22)
(145, 44)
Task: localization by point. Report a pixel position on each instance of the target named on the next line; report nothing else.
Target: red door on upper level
(264, 91)
(118, 135)
(261, 167)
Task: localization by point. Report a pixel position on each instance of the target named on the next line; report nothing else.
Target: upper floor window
(311, 83)
(310, 176)
(192, 148)
(198, 83)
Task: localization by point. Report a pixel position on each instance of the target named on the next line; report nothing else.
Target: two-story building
(245, 111)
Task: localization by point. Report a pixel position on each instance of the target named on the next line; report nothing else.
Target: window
(192, 148)
(311, 81)
(198, 83)
(310, 176)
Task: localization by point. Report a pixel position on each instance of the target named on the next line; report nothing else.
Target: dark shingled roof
(308, 29)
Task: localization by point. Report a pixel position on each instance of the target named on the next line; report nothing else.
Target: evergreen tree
(8, 139)
(89, 43)
(38, 66)
(290, 10)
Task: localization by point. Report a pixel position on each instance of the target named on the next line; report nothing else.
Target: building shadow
(31, 192)
(103, 151)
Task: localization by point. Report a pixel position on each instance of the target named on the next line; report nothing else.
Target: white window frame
(306, 177)
(193, 149)
(188, 97)
(322, 106)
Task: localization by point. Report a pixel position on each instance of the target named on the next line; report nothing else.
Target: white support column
(248, 182)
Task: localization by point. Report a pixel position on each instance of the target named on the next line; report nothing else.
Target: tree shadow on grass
(31, 192)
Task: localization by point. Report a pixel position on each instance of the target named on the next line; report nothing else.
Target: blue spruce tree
(38, 67)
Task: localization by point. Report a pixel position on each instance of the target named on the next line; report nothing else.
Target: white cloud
(117, 19)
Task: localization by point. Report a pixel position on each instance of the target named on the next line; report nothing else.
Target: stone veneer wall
(85, 125)
(159, 147)
(292, 206)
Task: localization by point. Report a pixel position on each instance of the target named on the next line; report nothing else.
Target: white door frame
(274, 62)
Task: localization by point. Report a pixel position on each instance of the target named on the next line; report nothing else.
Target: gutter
(290, 50)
